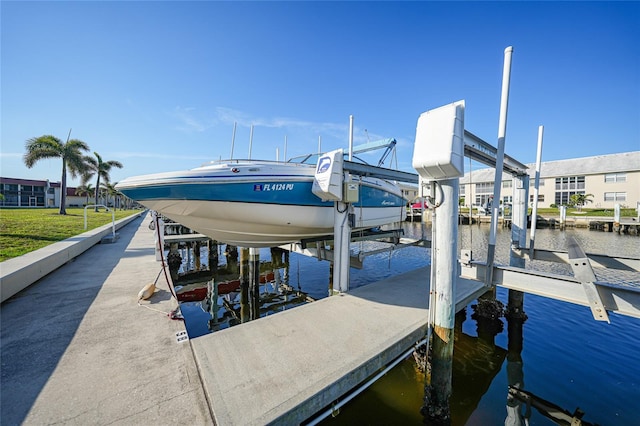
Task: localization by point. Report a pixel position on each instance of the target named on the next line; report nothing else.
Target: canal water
(560, 354)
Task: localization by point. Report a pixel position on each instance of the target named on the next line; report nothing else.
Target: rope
(164, 266)
(153, 309)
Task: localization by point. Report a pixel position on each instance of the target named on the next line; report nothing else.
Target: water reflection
(226, 296)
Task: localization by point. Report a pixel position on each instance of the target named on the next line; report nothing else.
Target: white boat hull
(258, 204)
(268, 225)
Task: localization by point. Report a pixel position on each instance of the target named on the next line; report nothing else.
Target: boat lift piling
(254, 282)
(445, 246)
(244, 285)
(438, 158)
(515, 304)
(497, 184)
(536, 191)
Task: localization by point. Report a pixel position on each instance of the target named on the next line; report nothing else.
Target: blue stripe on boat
(284, 193)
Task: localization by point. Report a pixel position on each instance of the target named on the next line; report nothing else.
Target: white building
(611, 179)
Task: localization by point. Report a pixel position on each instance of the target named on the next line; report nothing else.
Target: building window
(615, 177)
(615, 196)
(540, 198)
(484, 191)
(532, 181)
(484, 188)
(562, 198)
(568, 186)
(507, 183)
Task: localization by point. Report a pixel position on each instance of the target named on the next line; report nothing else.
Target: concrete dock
(77, 348)
(286, 367)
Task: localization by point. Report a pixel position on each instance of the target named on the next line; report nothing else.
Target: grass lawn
(25, 230)
(586, 212)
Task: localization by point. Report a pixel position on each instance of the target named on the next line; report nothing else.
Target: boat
(259, 203)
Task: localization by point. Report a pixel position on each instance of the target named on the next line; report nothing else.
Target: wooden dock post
(174, 260)
(244, 285)
(515, 371)
(444, 266)
(213, 255)
(197, 263)
(254, 282)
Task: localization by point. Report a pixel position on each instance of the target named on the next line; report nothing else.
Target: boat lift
(589, 292)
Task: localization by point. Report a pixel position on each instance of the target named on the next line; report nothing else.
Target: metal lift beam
(474, 148)
(583, 271)
(483, 152)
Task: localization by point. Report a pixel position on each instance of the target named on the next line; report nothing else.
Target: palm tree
(111, 191)
(95, 166)
(580, 200)
(86, 190)
(48, 146)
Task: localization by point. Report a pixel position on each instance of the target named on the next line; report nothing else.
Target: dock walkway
(77, 349)
(286, 367)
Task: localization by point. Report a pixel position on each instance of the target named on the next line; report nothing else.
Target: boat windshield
(313, 159)
(387, 144)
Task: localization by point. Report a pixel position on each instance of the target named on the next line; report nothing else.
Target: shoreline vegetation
(23, 230)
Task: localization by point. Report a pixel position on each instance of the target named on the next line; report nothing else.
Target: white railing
(113, 217)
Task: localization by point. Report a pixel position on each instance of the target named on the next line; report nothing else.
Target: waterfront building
(36, 193)
(611, 179)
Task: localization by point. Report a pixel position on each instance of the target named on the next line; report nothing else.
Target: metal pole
(250, 141)
(519, 213)
(497, 184)
(515, 304)
(319, 144)
(284, 155)
(350, 137)
(536, 191)
(233, 139)
(342, 239)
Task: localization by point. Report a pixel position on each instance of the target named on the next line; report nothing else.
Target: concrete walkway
(284, 368)
(76, 348)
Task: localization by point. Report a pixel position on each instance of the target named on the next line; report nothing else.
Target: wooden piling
(196, 256)
(444, 266)
(245, 315)
(213, 255)
(254, 283)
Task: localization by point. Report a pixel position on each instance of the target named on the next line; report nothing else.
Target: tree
(111, 191)
(580, 200)
(86, 190)
(99, 168)
(48, 146)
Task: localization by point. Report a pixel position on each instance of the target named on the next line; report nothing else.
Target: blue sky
(158, 85)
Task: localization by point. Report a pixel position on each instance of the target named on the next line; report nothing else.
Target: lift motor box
(438, 151)
(327, 182)
(351, 192)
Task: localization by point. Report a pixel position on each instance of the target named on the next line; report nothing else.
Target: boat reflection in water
(227, 300)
